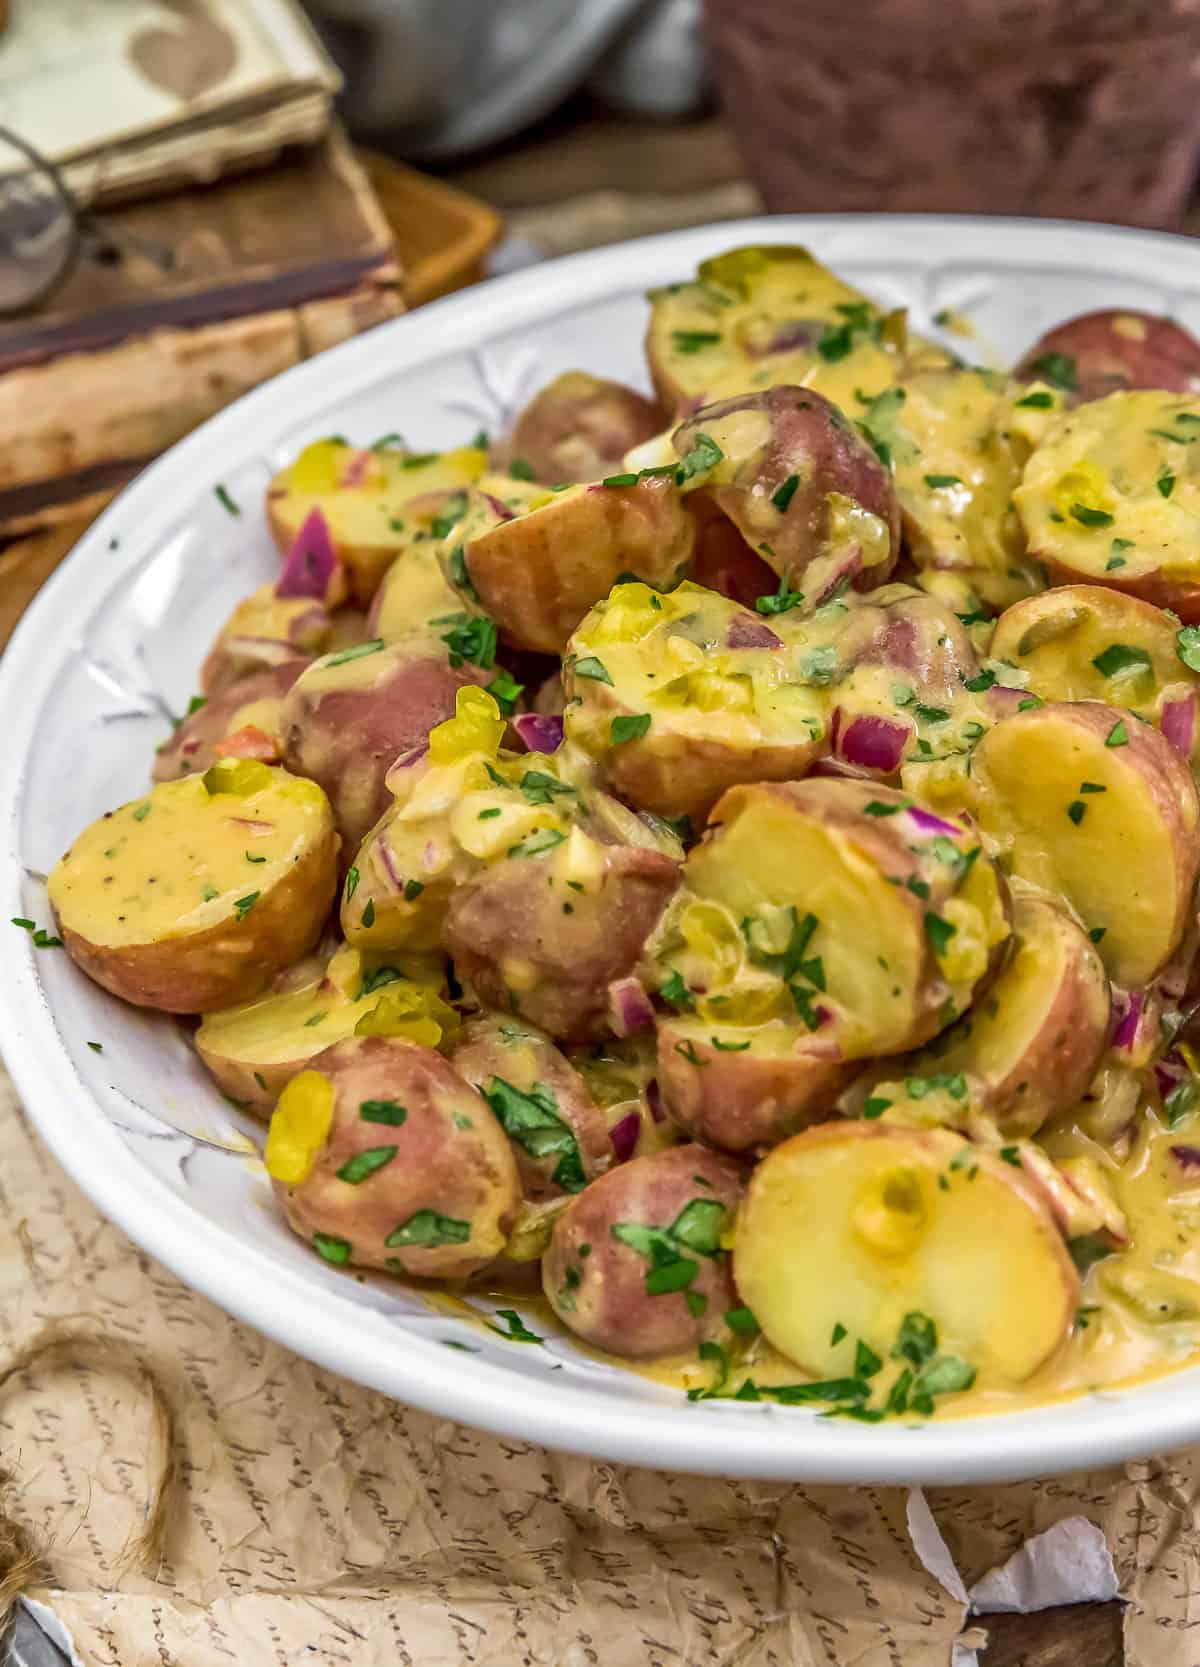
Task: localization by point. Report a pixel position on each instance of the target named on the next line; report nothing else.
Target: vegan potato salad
(726, 862)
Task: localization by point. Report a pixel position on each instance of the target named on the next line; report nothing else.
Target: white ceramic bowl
(110, 649)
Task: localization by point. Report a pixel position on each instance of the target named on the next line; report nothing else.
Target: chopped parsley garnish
(939, 932)
(534, 844)
(1120, 657)
(591, 667)
(383, 1111)
(836, 1335)
(1011, 1154)
(876, 807)
(364, 1164)
(1182, 1101)
(1187, 646)
(470, 639)
(1165, 483)
(1077, 810)
(692, 341)
(677, 993)
(456, 567)
(518, 1331)
(368, 914)
(40, 938)
(225, 501)
(728, 1047)
(96, 1047)
(358, 652)
(1089, 517)
(1059, 369)
(1092, 787)
(333, 1249)
(352, 877)
(505, 691)
(426, 1229)
(519, 469)
(780, 603)
(488, 815)
(978, 684)
(1088, 1248)
(376, 980)
(412, 890)
(142, 811)
(783, 495)
(540, 788)
(243, 905)
(1038, 401)
(938, 481)
(1097, 933)
(1117, 735)
(742, 1321)
(628, 479)
(875, 1106)
(531, 1119)
(444, 524)
(931, 714)
(251, 858)
(705, 454)
(629, 728)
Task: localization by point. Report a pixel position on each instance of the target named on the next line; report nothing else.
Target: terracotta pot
(1088, 109)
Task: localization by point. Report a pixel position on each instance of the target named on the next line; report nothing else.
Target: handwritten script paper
(323, 1523)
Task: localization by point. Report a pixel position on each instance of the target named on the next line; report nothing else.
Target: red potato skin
(810, 439)
(579, 427)
(538, 575)
(347, 739)
(723, 561)
(925, 642)
(1180, 595)
(464, 1173)
(193, 747)
(509, 916)
(481, 1053)
(742, 1103)
(1108, 361)
(610, 1307)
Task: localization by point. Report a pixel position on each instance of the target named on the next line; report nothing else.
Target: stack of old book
(214, 270)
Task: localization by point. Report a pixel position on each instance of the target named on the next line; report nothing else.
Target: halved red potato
(543, 936)
(252, 704)
(537, 563)
(767, 314)
(579, 427)
(383, 1157)
(638, 1264)
(349, 716)
(744, 1088)
(1112, 497)
(1087, 642)
(197, 895)
(1104, 352)
(909, 1241)
(679, 696)
(414, 593)
(873, 919)
(721, 558)
(365, 497)
(800, 485)
(264, 631)
(254, 1049)
(948, 435)
(559, 1134)
(1096, 808)
(1034, 1039)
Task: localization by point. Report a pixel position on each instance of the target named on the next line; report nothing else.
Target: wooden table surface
(584, 150)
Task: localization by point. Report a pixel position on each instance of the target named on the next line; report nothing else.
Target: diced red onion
(873, 742)
(539, 731)
(787, 335)
(311, 566)
(1169, 1073)
(654, 1101)
(842, 772)
(387, 862)
(624, 1136)
(498, 507)
(629, 1007)
(1127, 1025)
(405, 761)
(751, 633)
(1003, 700)
(1179, 723)
(928, 823)
(1187, 1157)
(356, 469)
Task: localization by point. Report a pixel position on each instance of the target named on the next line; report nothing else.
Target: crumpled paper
(322, 1523)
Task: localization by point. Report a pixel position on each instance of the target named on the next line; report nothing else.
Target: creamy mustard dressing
(370, 497)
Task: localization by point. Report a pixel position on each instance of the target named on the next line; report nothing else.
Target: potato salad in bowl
(719, 871)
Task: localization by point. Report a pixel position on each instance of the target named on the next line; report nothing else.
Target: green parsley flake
(783, 495)
(1120, 657)
(243, 905)
(383, 1111)
(629, 728)
(225, 501)
(364, 1164)
(534, 844)
(427, 1229)
(1077, 810)
(938, 481)
(592, 668)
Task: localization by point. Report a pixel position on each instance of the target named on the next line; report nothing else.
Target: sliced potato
(1088, 642)
(850, 1228)
(956, 465)
(1099, 809)
(254, 1049)
(776, 904)
(536, 561)
(1035, 1038)
(745, 1088)
(767, 314)
(1112, 496)
(365, 496)
(251, 705)
(383, 1157)
(264, 631)
(197, 895)
(414, 593)
(579, 427)
(803, 488)
(679, 696)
